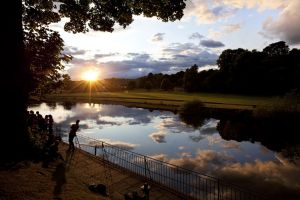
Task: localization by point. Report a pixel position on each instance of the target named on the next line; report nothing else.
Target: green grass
(161, 99)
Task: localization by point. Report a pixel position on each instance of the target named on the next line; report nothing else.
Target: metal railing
(188, 184)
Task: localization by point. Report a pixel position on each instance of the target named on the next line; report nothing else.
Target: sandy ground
(68, 178)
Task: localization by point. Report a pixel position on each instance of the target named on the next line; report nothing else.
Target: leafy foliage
(43, 46)
(101, 15)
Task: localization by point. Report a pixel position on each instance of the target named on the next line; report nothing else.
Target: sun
(90, 75)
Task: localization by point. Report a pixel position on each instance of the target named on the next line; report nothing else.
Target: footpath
(70, 178)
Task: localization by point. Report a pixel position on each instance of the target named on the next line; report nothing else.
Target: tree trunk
(13, 83)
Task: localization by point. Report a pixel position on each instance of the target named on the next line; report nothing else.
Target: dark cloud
(286, 26)
(105, 55)
(74, 51)
(82, 62)
(158, 37)
(104, 122)
(196, 36)
(176, 57)
(197, 138)
(142, 64)
(211, 44)
(179, 48)
(223, 11)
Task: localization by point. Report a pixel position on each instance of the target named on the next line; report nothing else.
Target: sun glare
(90, 75)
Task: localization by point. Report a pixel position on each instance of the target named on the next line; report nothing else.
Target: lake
(231, 149)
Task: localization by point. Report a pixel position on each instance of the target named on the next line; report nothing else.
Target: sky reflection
(161, 135)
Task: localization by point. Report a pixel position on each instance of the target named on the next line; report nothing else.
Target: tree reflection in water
(276, 179)
(193, 113)
(277, 134)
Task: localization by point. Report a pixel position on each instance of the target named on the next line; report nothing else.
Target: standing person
(50, 124)
(72, 134)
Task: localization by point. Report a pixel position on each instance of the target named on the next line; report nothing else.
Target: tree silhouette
(166, 84)
(131, 85)
(84, 15)
(277, 49)
(190, 79)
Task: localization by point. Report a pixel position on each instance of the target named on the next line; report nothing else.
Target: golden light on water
(90, 75)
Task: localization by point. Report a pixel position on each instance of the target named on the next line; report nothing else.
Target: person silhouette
(72, 134)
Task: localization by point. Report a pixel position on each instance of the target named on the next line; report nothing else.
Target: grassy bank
(167, 100)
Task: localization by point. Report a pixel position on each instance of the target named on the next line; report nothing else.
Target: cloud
(161, 157)
(174, 125)
(211, 44)
(229, 28)
(176, 57)
(158, 37)
(230, 145)
(197, 138)
(103, 55)
(210, 11)
(74, 51)
(286, 26)
(260, 5)
(158, 137)
(181, 48)
(106, 122)
(208, 67)
(204, 161)
(281, 175)
(214, 34)
(181, 147)
(225, 29)
(209, 127)
(196, 36)
(119, 144)
(214, 139)
(103, 115)
(207, 12)
(261, 176)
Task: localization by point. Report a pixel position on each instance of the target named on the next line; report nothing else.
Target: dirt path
(68, 178)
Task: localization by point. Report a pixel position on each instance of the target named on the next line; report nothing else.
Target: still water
(214, 148)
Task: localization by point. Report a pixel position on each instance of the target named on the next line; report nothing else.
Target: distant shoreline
(171, 101)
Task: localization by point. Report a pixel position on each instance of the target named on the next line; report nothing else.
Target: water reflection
(257, 154)
(279, 136)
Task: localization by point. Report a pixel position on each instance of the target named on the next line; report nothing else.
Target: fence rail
(187, 183)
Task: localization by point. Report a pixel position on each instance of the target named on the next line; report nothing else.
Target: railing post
(102, 146)
(145, 166)
(95, 150)
(218, 189)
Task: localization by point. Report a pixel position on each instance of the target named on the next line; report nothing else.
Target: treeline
(274, 70)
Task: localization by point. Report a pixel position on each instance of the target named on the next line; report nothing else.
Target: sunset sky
(207, 28)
